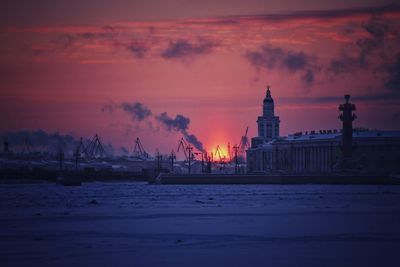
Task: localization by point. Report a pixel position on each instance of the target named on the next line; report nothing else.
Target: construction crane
(229, 152)
(138, 150)
(218, 153)
(81, 149)
(95, 148)
(183, 145)
(221, 157)
(187, 151)
(244, 144)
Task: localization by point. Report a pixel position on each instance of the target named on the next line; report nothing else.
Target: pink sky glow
(73, 74)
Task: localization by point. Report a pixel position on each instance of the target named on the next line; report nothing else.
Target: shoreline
(275, 179)
(171, 179)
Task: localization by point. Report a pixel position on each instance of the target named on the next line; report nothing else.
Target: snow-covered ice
(136, 224)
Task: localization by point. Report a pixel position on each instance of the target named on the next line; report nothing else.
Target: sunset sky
(127, 69)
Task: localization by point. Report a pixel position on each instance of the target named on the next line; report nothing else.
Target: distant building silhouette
(347, 117)
(268, 123)
(326, 151)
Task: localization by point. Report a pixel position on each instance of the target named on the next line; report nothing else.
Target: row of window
(269, 130)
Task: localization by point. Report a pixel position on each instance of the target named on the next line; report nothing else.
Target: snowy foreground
(135, 224)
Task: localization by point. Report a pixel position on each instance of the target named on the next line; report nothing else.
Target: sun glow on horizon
(219, 151)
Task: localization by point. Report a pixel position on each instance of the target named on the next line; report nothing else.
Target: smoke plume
(140, 112)
(137, 110)
(180, 124)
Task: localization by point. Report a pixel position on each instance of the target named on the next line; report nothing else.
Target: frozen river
(135, 224)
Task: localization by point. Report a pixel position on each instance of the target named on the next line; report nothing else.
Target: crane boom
(182, 144)
(139, 150)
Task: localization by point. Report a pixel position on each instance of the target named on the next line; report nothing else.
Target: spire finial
(268, 91)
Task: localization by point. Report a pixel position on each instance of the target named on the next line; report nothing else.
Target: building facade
(325, 151)
(268, 123)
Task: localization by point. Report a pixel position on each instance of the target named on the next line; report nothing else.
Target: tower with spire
(268, 123)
